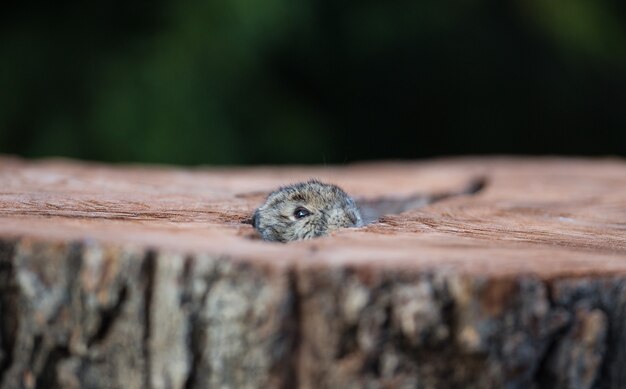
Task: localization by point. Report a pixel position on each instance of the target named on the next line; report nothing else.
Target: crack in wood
(373, 209)
(9, 317)
(148, 276)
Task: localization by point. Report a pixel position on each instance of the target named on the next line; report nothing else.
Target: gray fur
(329, 206)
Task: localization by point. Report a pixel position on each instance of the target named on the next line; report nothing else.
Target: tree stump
(152, 277)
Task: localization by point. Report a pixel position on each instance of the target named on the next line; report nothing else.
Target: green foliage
(196, 82)
(583, 28)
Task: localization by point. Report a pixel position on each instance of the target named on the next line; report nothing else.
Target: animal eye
(301, 212)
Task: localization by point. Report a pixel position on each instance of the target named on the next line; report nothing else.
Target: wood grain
(572, 211)
(144, 276)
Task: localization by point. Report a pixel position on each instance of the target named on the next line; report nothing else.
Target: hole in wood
(373, 209)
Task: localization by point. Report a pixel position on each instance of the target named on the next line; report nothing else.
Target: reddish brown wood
(155, 271)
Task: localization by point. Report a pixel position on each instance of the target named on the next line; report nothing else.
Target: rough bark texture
(138, 277)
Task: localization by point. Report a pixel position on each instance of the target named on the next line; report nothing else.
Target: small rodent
(305, 210)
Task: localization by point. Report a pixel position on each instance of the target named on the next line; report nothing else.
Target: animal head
(304, 211)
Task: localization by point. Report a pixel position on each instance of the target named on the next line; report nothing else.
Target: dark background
(282, 81)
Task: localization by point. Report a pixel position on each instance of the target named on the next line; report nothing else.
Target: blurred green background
(278, 81)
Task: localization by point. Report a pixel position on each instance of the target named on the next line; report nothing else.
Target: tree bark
(151, 277)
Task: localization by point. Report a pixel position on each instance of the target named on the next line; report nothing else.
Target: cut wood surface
(152, 277)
